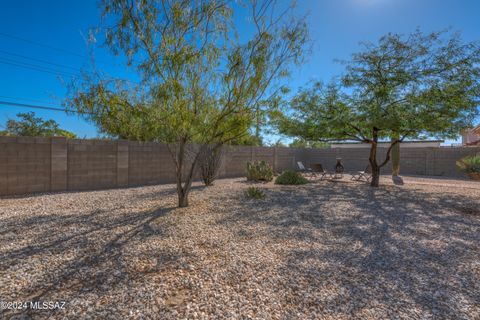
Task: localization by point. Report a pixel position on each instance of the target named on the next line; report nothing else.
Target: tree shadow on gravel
(15, 225)
(153, 193)
(101, 259)
(166, 192)
(403, 252)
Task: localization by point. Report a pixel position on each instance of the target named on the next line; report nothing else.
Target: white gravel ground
(327, 250)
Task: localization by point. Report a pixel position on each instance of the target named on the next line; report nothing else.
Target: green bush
(259, 171)
(290, 177)
(254, 193)
(469, 164)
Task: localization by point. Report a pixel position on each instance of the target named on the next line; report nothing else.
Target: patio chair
(304, 170)
(318, 168)
(365, 174)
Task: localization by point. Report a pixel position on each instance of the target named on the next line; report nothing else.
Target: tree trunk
(375, 182)
(183, 190)
(183, 199)
(183, 187)
(373, 160)
(395, 157)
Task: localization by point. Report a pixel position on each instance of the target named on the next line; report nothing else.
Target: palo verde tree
(400, 88)
(200, 85)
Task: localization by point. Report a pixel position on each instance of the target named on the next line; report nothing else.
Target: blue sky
(336, 26)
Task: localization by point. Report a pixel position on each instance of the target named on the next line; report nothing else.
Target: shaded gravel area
(327, 250)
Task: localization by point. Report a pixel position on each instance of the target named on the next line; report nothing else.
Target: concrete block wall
(92, 164)
(235, 159)
(413, 161)
(25, 165)
(59, 164)
(440, 161)
(285, 158)
(38, 164)
(149, 163)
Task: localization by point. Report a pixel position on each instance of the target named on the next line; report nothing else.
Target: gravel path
(327, 250)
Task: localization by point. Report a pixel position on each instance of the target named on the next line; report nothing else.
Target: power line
(48, 46)
(42, 45)
(8, 60)
(32, 106)
(46, 69)
(40, 60)
(40, 68)
(35, 67)
(43, 102)
(25, 99)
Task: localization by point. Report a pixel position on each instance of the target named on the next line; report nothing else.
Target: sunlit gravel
(326, 250)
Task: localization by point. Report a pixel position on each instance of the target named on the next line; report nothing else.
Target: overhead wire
(35, 67)
(26, 105)
(6, 35)
(39, 60)
(40, 68)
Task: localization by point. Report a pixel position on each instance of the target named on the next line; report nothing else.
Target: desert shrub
(254, 193)
(471, 166)
(259, 171)
(209, 160)
(290, 177)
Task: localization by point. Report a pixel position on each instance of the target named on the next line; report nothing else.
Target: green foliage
(254, 193)
(259, 171)
(469, 164)
(410, 87)
(199, 83)
(290, 177)
(29, 125)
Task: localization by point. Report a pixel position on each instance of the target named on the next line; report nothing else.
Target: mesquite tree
(400, 88)
(200, 85)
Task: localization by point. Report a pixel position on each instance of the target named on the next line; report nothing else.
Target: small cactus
(259, 171)
(254, 193)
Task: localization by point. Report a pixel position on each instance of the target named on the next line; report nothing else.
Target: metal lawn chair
(318, 168)
(304, 170)
(365, 174)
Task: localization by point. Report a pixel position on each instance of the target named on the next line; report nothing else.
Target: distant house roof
(405, 144)
(471, 136)
(406, 141)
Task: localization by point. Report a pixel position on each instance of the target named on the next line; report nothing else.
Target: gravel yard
(327, 250)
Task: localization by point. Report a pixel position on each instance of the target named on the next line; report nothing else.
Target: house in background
(405, 144)
(471, 137)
